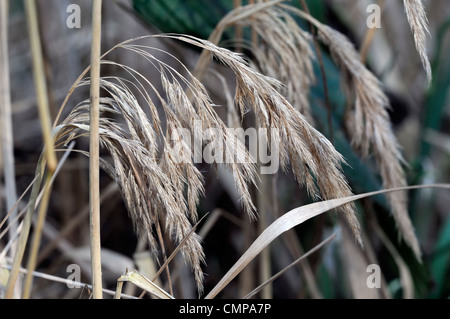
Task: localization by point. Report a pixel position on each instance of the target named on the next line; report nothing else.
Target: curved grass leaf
(291, 219)
(143, 283)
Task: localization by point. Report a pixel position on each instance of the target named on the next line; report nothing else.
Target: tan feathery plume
(417, 19)
(369, 124)
(312, 157)
(200, 109)
(160, 186)
(284, 53)
(150, 192)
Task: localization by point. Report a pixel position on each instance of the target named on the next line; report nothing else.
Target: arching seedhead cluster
(159, 189)
(367, 122)
(162, 187)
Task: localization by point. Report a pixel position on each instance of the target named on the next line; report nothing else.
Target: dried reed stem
(163, 252)
(32, 260)
(40, 82)
(94, 152)
(23, 237)
(50, 159)
(35, 198)
(7, 142)
(6, 116)
(265, 199)
(44, 114)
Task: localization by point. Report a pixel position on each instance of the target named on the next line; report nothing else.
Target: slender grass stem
(94, 150)
(6, 115)
(40, 82)
(50, 158)
(163, 251)
(23, 237)
(66, 281)
(35, 198)
(264, 205)
(37, 236)
(50, 155)
(278, 274)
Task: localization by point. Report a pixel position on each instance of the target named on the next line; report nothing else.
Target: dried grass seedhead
(368, 123)
(284, 52)
(163, 187)
(151, 162)
(313, 158)
(417, 19)
(152, 185)
(370, 128)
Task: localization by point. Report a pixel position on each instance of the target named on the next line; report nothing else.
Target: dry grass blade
(94, 151)
(36, 177)
(417, 18)
(22, 242)
(291, 219)
(35, 243)
(9, 214)
(35, 198)
(278, 274)
(143, 283)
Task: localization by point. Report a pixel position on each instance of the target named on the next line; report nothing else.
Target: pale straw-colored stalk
(50, 156)
(162, 185)
(94, 152)
(40, 82)
(6, 116)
